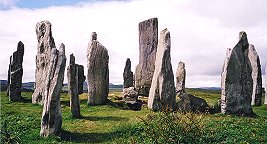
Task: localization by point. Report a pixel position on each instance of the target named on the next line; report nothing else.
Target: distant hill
(211, 88)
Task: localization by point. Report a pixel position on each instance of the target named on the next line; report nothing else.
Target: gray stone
(127, 75)
(148, 40)
(236, 82)
(130, 94)
(81, 78)
(98, 72)
(134, 105)
(162, 91)
(256, 75)
(191, 103)
(52, 115)
(44, 47)
(15, 73)
(180, 79)
(265, 101)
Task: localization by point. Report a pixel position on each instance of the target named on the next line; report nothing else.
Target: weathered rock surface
(15, 73)
(52, 115)
(75, 79)
(44, 47)
(265, 102)
(98, 72)
(130, 94)
(256, 75)
(162, 91)
(236, 82)
(127, 75)
(180, 79)
(148, 40)
(190, 103)
(134, 105)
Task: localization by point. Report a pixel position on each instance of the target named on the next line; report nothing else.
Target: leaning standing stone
(162, 91)
(52, 114)
(237, 83)
(98, 72)
(180, 79)
(127, 75)
(15, 72)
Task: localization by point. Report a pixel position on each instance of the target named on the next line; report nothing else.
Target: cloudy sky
(201, 31)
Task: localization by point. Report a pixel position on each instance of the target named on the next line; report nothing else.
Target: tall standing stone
(180, 79)
(265, 102)
(98, 72)
(75, 78)
(52, 115)
(148, 40)
(15, 73)
(256, 75)
(127, 75)
(237, 83)
(162, 91)
(44, 47)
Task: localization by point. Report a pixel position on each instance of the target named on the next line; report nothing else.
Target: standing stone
(256, 75)
(15, 72)
(52, 116)
(127, 75)
(237, 83)
(180, 79)
(44, 47)
(265, 102)
(81, 78)
(98, 72)
(148, 40)
(162, 91)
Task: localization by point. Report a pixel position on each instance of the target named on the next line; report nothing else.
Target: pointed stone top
(94, 36)
(72, 59)
(20, 46)
(181, 64)
(243, 37)
(166, 37)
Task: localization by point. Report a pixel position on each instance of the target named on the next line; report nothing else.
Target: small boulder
(190, 103)
(130, 94)
(134, 105)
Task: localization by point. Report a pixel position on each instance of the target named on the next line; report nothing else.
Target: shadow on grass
(25, 100)
(104, 118)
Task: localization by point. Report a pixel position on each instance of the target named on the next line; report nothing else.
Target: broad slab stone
(180, 79)
(162, 91)
(236, 82)
(52, 115)
(98, 72)
(130, 94)
(44, 47)
(15, 73)
(256, 75)
(127, 75)
(190, 103)
(148, 40)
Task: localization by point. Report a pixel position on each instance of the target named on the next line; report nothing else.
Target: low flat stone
(191, 103)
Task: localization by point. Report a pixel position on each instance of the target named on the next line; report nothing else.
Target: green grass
(114, 123)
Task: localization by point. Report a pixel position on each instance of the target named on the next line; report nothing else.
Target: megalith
(236, 80)
(75, 78)
(256, 75)
(98, 72)
(180, 79)
(52, 115)
(162, 91)
(148, 40)
(44, 47)
(127, 75)
(15, 73)
(265, 101)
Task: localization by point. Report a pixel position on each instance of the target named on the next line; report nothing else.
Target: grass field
(114, 123)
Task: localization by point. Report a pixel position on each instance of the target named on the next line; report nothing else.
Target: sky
(201, 31)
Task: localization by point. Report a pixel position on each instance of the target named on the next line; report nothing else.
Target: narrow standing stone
(148, 40)
(98, 72)
(127, 75)
(15, 73)
(180, 79)
(52, 115)
(265, 102)
(162, 91)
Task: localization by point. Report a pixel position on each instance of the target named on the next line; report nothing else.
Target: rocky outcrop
(44, 47)
(236, 82)
(98, 72)
(75, 79)
(52, 116)
(148, 40)
(180, 79)
(15, 73)
(256, 75)
(162, 91)
(190, 103)
(127, 75)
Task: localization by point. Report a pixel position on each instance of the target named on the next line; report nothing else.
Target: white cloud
(199, 37)
(7, 4)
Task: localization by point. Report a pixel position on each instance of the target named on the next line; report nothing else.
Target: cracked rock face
(180, 79)
(98, 72)
(15, 73)
(162, 92)
(44, 47)
(236, 81)
(148, 40)
(52, 115)
(256, 75)
(128, 75)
